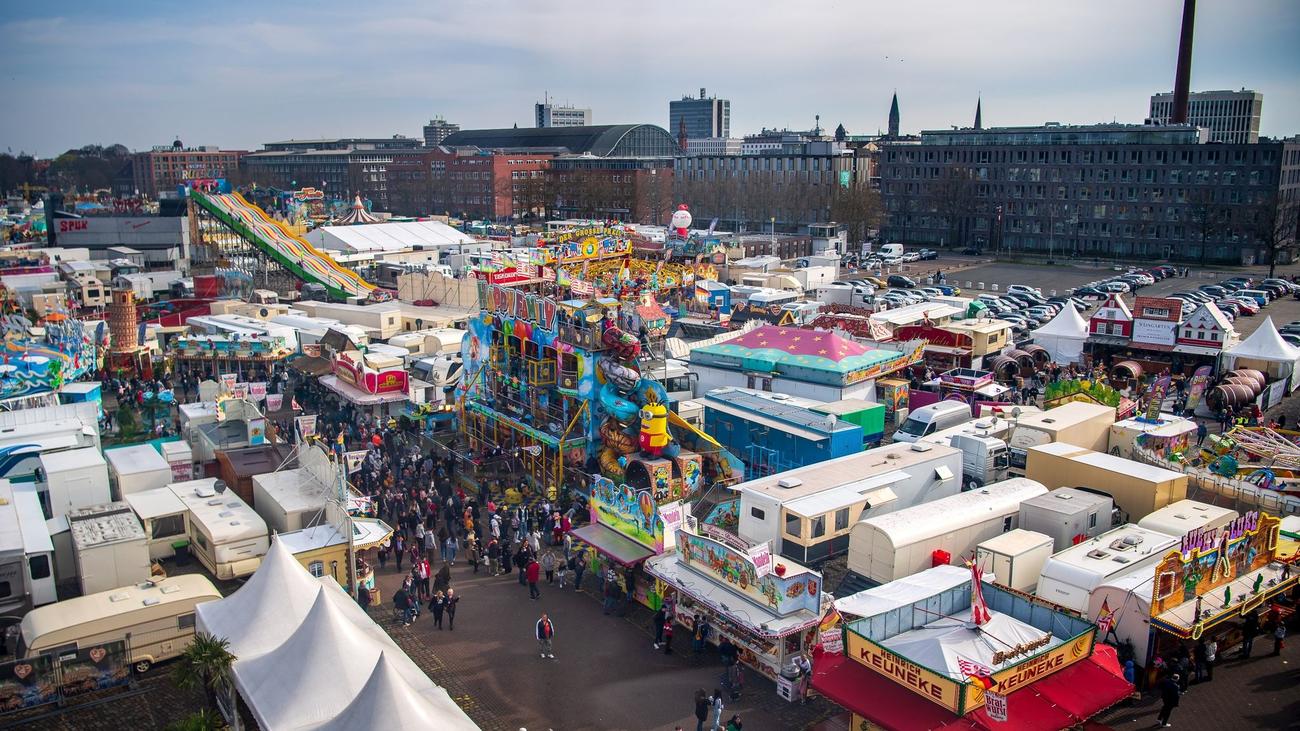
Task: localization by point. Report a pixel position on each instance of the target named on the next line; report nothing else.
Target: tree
(859, 208)
(1205, 216)
(954, 200)
(204, 720)
(1276, 228)
(205, 665)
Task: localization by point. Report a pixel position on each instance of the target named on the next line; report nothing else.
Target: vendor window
(818, 526)
(793, 525)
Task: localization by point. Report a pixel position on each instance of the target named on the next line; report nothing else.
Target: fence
(59, 675)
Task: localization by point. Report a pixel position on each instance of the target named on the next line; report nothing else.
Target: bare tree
(858, 207)
(1206, 217)
(954, 200)
(1276, 224)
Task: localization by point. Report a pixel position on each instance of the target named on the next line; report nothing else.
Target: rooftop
(772, 348)
(1111, 551)
(607, 140)
(789, 409)
(1053, 133)
(846, 470)
(99, 525)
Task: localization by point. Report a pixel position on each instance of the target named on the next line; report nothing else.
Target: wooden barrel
(1039, 354)
(1230, 396)
(1126, 370)
(1005, 368)
(1250, 383)
(1025, 360)
(1254, 375)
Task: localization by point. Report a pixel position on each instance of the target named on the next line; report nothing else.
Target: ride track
(289, 250)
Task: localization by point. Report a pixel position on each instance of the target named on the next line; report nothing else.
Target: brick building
(471, 182)
(163, 169)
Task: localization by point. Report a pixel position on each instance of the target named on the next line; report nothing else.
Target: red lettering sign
(66, 225)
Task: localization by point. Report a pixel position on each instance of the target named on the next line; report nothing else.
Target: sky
(237, 74)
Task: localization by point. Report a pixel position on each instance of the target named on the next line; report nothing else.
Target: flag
(1106, 617)
(979, 611)
(973, 669)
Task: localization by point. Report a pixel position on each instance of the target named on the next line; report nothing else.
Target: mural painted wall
(633, 513)
(783, 595)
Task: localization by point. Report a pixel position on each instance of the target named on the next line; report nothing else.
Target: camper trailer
(1070, 576)
(157, 617)
(1069, 515)
(226, 535)
(1079, 424)
(26, 551)
(944, 531)
(1185, 516)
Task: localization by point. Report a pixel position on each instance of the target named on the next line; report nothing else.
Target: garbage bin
(182, 549)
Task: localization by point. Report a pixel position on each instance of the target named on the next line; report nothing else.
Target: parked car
(1248, 306)
(1292, 339)
(1024, 288)
(1090, 291)
(928, 254)
(1115, 287)
(898, 280)
(970, 251)
(948, 290)
(1213, 290)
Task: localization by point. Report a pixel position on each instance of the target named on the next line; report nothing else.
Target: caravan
(1070, 576)
(26, 551)
(228, 537)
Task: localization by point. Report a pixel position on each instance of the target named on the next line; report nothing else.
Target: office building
(699, 117)
(1231, 116)
(341, 167)
(547, 114)
(713, 146)
(471, 182)
(1111, 190)
(164, 168)
(437, 130)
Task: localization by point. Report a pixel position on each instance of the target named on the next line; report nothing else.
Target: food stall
(769, 607)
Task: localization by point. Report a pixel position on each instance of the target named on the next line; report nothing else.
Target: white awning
(356, 395)
(768, 422)
(874, 490)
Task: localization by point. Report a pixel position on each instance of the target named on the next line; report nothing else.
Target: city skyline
(238, 75)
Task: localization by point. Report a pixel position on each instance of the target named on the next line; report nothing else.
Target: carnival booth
(972, 654)
(1265, 350)
(1064, 336)
(769, 607)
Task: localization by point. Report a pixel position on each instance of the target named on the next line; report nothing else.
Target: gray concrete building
(548, 114)
(1231, 116)
(699, 117)
(1111, 190)
(437, 130)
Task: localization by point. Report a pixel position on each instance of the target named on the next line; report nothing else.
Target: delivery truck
(945, 531)
(984, 460)
(1015, 558)
(1138, 489)
(1069, 515)
(1080, 424)
(1070, 576)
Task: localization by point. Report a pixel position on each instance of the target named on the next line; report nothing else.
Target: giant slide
(288, 249)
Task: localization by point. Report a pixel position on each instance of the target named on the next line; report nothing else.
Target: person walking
(579, 568)
(534, 572)
(1279, 637)
(1201, 432)
(1169, 694)
(611, 592)
(399, 547)
(436, 605)
(545, 631)
(472, 548)
(668, 635)
(548, 565)
(702, 706)
(449, 606)
(1205, 654)
(804, 665)
(494, 557)
(562, 571)
(449, 548)
(403, 603)
(717, 707)
(657, 622)
(701, 638)
(1249, 628)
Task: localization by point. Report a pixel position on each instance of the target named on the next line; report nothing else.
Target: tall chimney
(1183, 78)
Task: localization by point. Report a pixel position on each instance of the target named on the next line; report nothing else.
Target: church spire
(893, 116)
(979, 123)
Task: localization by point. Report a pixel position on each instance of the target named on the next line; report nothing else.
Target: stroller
(733, 680)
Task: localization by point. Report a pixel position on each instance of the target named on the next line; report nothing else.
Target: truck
(1138, 489)
(1070, 576)
(944, 531)
(1080, 424)
(1015, 558)
(984, 459)
(1069, 515)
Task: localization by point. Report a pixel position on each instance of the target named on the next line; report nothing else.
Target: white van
(891, 251)
(156, 618)
(930, 419)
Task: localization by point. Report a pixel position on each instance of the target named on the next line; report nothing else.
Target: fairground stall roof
(819, 356)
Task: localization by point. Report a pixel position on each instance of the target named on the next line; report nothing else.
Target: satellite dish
(1016, 412)
(219, 486)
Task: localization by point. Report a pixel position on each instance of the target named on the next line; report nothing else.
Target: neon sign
(1206, 540)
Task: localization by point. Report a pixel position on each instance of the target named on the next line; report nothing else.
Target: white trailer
(165, 519)
(26, 551)
(901, 543)
(1015, 558)
(1126, 599)
(1185, 516)
(226, 535)
(1070, 576)
(110, 546)
(137, 468)
(1069, 515)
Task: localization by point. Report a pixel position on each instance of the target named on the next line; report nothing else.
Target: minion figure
(654, 428)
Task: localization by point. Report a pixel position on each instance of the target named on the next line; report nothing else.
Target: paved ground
(606, 675)
(153, 703)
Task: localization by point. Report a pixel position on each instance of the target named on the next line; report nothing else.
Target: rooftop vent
(921, 446)
(1098, 554)
(789, 482)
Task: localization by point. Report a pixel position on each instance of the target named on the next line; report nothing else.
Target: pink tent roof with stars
(773, 347)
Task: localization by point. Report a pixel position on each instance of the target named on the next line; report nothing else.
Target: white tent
(266, 609)
(904, 591)
(1063, 337)
(1265, 350)
(938, 645)
(307, 656)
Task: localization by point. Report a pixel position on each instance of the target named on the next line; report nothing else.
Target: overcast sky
(238, 74)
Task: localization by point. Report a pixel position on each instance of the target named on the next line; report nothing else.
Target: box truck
(1079, 424)
(1069, 515)
(1185, 516)
(1138, 489)
(1070, 576)
(944, 531)
(1015, 558)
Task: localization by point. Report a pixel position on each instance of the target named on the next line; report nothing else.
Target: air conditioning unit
(789, 482)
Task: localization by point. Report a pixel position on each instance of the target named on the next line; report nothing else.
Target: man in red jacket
(533, 573)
